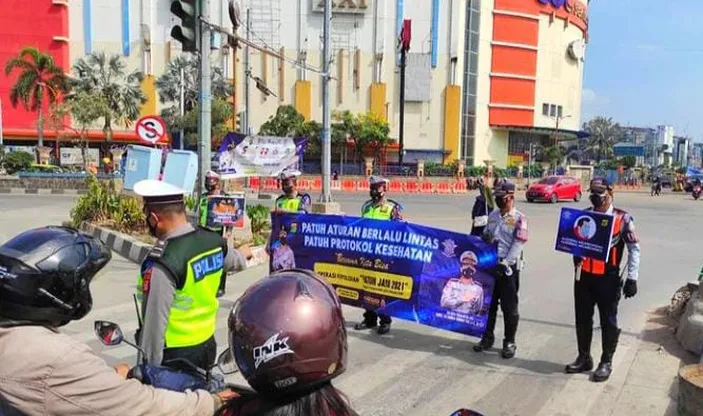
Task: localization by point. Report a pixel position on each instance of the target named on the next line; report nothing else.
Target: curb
(42, 191)
(124, 245)
(135, 251)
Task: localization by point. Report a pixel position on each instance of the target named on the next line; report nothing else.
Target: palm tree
(39, 79)
(169, 84)
(108, 77)
(604, 132)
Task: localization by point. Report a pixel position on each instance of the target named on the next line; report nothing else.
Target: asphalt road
(417, 370)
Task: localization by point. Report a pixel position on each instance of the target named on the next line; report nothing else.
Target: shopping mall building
(485, 78)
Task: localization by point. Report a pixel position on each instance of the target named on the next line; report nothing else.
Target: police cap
(600, 185)
(505, 188)
(377, 180)
(288, 174)
(158, 192)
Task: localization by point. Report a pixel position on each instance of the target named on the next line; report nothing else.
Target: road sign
(151, 129)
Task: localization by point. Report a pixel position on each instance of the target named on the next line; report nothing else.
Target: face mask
(502, 202)
(152, 228)
(597, 200)
(375, 194)
(467, 271)
(287, 187)
(209, 186)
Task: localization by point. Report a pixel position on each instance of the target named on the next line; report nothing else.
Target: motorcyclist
(45, 277)
(289, 354)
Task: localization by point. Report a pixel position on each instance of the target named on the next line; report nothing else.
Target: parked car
(555, 188)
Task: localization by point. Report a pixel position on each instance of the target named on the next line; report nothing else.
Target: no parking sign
(151, 129)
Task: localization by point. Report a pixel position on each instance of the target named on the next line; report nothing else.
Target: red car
(555, 188)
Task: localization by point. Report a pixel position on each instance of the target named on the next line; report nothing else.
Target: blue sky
(644, 63)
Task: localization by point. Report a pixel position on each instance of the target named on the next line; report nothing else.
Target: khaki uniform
(44, 372)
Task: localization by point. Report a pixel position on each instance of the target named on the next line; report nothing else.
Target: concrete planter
(690, 401)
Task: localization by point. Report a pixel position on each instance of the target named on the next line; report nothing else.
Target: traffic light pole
(205, 99)
(326, 195)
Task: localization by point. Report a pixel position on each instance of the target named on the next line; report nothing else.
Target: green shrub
(17, 161)
(102, 204)
(260, 217)
(191, 202)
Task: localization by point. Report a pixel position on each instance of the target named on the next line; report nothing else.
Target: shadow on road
(403, 339)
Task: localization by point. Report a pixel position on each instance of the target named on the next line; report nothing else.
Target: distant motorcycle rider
(45, 277)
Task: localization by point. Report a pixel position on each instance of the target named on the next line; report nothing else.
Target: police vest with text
(617, 248)
(196, 261)
(287, 204)
(383, 211)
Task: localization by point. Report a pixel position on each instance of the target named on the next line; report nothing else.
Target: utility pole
(529, 164)
(205, 99)
(405, 37)
(326, 195)
(183, 103)
(247, 76)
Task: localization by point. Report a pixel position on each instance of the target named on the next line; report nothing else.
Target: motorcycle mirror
(109, 333)
(225, 362)
(465, 412)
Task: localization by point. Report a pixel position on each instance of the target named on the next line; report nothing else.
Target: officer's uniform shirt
(303, 206)
(455, 295)
(629, 234)
(509, 233)
(159, 287)
(396, 210)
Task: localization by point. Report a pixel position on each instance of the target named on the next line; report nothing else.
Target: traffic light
(238, 121)
(187, 32)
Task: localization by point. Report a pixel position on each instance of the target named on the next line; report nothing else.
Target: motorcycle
(194, 378)
(696, 192)
(465, 412)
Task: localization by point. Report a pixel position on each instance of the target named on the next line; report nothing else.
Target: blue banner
(585, 233)
(421, 274)
(227, 211)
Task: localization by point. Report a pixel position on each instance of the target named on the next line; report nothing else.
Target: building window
(545, 109)
(552, 110)
(470, 78)
(560, 111)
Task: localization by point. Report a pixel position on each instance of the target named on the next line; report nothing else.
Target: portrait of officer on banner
(282, 255)
(464, 294)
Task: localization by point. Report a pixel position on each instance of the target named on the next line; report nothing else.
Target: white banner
(73, 156)
(264, 156)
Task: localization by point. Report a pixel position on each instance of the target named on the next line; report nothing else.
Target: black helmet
(45, 274)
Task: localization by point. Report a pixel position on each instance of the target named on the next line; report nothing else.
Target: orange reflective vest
(617, 247)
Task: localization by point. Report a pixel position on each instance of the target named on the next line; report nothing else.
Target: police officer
(599, 283)
(482, 207)
(379, 208)
(507, 229)
(179, 280)
(291, 200)
(212, 188)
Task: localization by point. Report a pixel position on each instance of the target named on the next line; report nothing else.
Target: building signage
(343, 6)
(572, 7)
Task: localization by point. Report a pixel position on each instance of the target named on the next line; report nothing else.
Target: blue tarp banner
(694, 171)
(585, 233)
(421, 274)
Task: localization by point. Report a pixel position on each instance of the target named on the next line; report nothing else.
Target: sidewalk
(650, 384)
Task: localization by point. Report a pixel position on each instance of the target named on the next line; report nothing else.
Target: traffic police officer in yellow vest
(379, 208)
(212, 188)
(291, 200)
(179, 279)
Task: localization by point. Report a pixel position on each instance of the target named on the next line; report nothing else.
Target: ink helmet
(287, 334)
